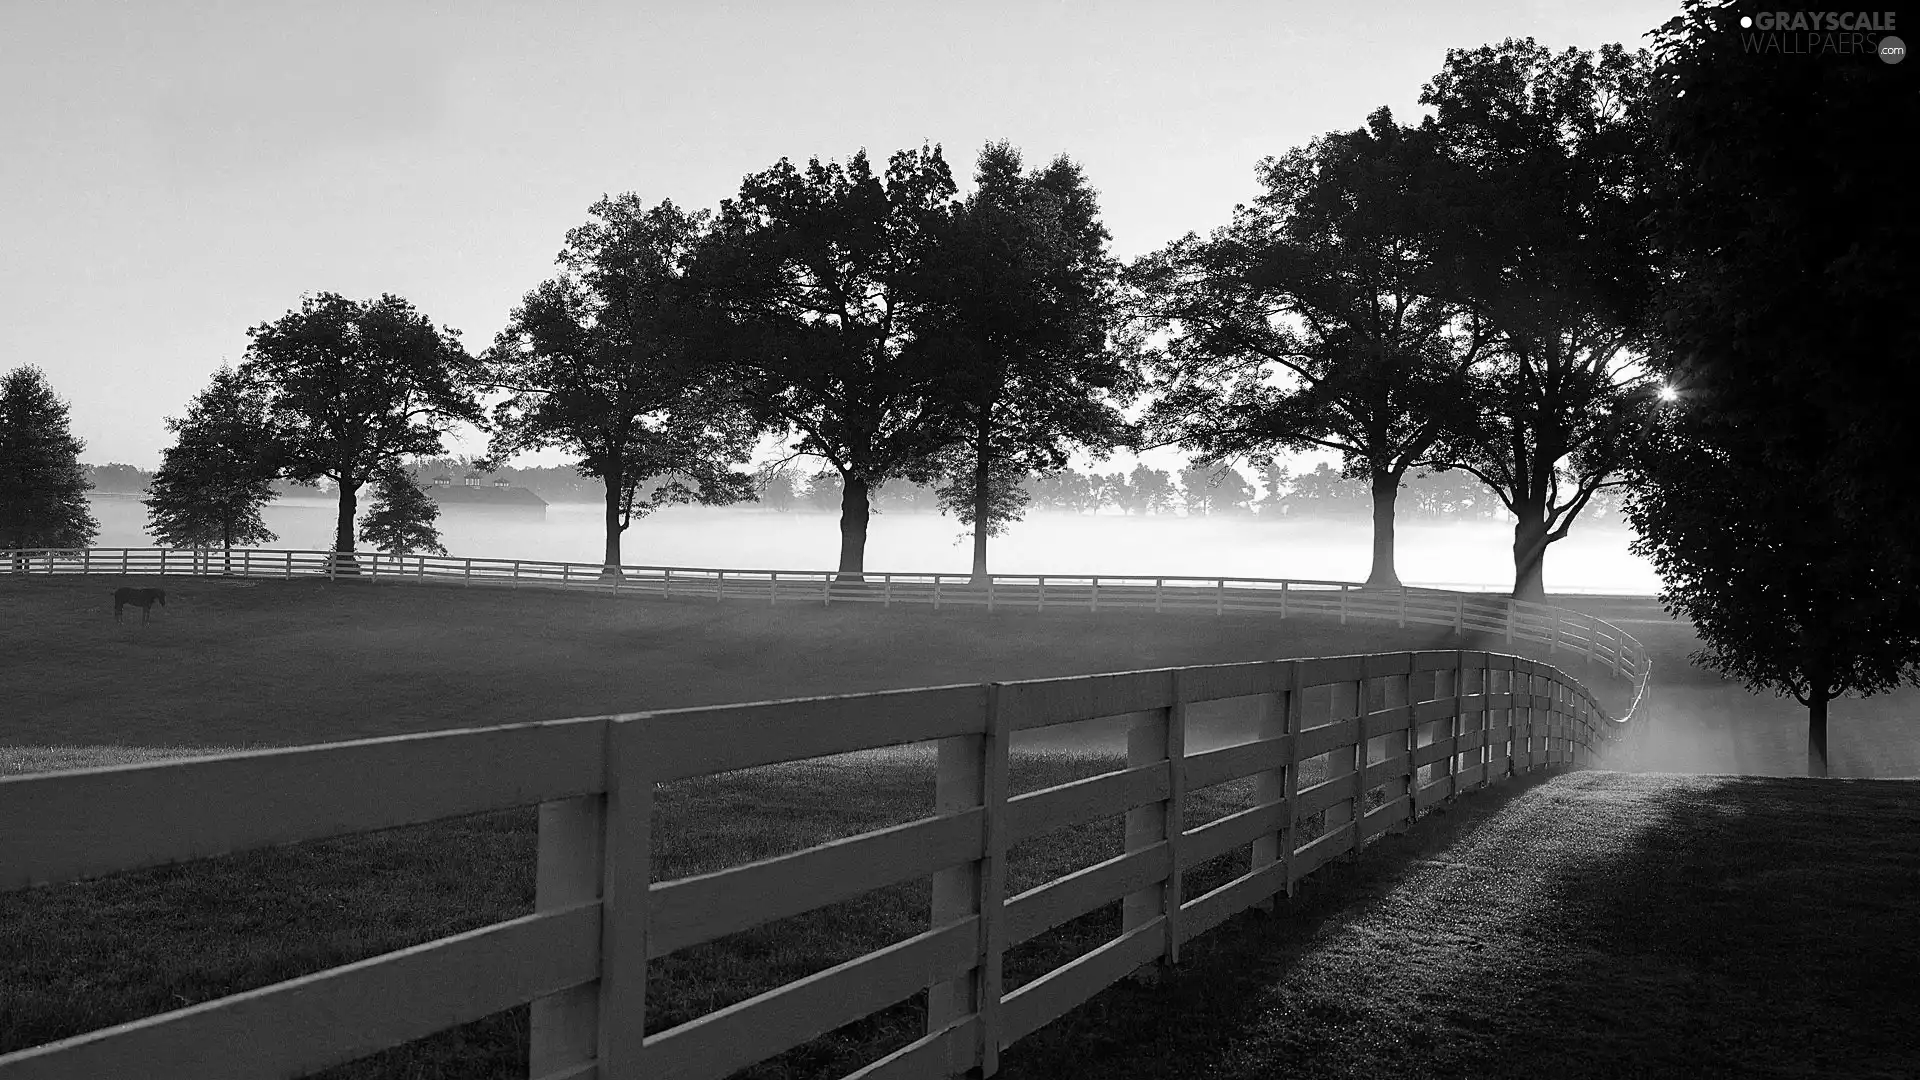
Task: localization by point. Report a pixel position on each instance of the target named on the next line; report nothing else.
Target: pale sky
(174, 173)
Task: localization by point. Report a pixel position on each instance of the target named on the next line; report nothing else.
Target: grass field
(286, 663)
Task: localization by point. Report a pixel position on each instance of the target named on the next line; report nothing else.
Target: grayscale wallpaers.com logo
(1811, 33)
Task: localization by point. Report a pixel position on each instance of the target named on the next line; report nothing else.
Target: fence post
(1295, 710)
(566, 573)
(1271, 786)
(1283, 599)
(1159, 591)
(1095, 606)
(1220, 598)
(86, 560)
(990, 592)
(1403, 607)
(1343, 605)
(1510, 604)
(886, 590)
(720, 591)
(773, 587)
(1041, 605)
(972, 773)
(163, 562)
(564, 1027)
(1460, 614)
(124, 554)
(826, 590)
(936, 592)
(1149, 740)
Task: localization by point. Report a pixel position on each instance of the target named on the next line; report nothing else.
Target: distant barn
(476, 492)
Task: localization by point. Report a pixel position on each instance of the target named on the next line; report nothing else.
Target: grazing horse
(145, 598)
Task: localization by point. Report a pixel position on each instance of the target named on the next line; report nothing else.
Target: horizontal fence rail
(1594, 639)
(1383, 737)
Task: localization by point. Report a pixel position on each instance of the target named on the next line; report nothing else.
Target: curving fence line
(1346, 748)
(1593, 638)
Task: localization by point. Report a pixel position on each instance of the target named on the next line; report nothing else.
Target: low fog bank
(1467, 554)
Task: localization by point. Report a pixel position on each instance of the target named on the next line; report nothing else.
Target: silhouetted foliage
(43, 488)
(598, 363)
(810, 271)
(1771, 499)
(219, 472)
(403, 515)
(1544, 242)
(1312, 320)
(352, 386)
(1014, 310)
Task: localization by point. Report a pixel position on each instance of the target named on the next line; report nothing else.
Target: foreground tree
(352, 386)
(1544, 243)
(1312, 322)
(1015, 308)
(43, 486)
(403, 515)
(810, 272)
(219, 472)
(598, 363)
(1774, 500)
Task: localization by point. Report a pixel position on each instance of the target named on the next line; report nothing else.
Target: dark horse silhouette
(144, 598)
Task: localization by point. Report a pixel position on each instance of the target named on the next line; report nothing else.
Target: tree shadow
(1591, 924)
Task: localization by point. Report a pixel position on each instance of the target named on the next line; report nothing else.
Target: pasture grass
(285, 663)
(288, 663)
(95, 953)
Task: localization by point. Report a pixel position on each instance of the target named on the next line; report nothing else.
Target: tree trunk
(982, 496)
(1530, 555)
(855, 509)
(1817, 731)
(610, 562)
(343, 561)
(1386, 489)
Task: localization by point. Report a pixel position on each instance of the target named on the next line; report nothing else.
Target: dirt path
(1595, 924)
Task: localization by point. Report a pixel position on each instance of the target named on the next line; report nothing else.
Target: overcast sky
(173, 173)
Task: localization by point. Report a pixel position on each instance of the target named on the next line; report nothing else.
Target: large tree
(1312, 321)
(810, 271)
(219, 471)
(1542, 215)
(1775, 499)
(598, 363)
(43, 486)
(355, 385)
(1016, 308)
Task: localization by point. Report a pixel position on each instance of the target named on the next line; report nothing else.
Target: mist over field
(1473, 555)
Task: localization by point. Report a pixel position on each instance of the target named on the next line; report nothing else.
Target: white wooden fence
(1386, 736)
(1593, 638)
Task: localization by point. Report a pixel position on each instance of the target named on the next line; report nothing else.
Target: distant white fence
(1595, 639)
(1386, 736)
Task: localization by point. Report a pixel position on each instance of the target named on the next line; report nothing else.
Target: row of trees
(1510, 288)
(1463, 294)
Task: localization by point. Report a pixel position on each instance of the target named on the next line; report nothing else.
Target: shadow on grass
(1596, 924)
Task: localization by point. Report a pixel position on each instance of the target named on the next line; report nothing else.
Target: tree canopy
(402, 517)
(1772, 497)
(811, 271)
(1542, 226)
(1015, 307)
(43, 486)
(1313, 320)
(600, 362)
(353, 385)
(214, 479)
